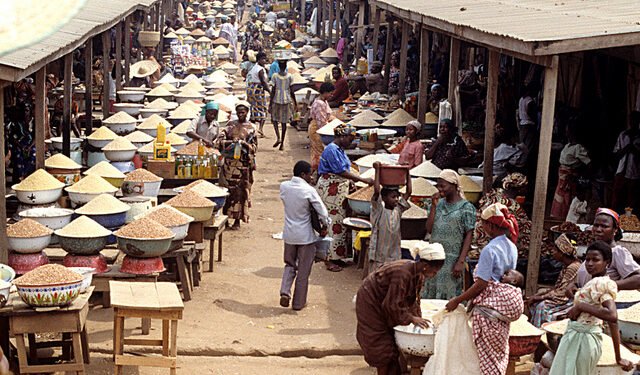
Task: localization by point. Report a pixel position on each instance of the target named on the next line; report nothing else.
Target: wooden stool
(25, 322)
(212, 232)
(146, 300)
(179, 270)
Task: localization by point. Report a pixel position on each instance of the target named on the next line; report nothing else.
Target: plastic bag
(453, 341)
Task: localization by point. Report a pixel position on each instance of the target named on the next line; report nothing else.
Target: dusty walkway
(235, 311)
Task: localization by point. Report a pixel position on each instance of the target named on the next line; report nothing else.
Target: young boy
(387, 206)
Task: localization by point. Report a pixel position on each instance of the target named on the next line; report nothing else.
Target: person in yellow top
(581, 345)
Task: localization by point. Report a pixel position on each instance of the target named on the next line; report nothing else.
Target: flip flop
(334, 268)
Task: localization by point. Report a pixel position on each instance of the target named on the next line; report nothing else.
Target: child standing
(581, 345)
(283, 101)
(387, 206)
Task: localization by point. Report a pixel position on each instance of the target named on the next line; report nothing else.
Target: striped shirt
(282, 86)
(385, 235)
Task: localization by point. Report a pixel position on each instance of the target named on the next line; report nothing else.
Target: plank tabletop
(146, 296)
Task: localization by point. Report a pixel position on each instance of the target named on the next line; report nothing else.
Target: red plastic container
(98, 262)
(393, 175)
(142, 266)
(23, 263)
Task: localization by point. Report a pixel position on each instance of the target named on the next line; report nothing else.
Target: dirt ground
(234, 324)
(235, 311)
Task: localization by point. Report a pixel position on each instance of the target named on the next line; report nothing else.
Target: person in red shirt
(341, 92)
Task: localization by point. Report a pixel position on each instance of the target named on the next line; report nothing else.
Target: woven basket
(149, 38)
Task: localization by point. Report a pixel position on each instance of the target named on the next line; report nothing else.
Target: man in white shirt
(299, 237)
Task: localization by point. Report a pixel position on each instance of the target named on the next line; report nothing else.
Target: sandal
(334, 267)
(276, 144)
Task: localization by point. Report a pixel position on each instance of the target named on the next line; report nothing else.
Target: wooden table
(25, 322)
(212, 232)
(146, 300)
(56, 254)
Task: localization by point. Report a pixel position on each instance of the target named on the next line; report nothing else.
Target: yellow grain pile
(92, 184)
(27, 228)
(83, 227)
(206, 189)
(168, 216)
(522, 328)
(61, 161)
(142, 175)
(120, 118)
(103, 133)
(104, 169)
(191, 199)
(48, 274)
(103, 204)
(153, 121)
(119, 144)
(139, 137)
(144, 228)
(38, 181)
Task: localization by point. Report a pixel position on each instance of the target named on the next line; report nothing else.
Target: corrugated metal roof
(531, 27)
(95, 17)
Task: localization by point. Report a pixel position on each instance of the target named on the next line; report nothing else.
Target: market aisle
(235, 311)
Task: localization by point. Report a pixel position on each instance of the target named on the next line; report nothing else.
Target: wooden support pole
(423, 84)
(338, 22)
(542, 174)
(88, 83)
(360, 31)
(303, 13)
(4, 253)
(321, 19)
(127, 49)
(406, 29)
(490, 119)
(376, 33)
(67, 102)
(40, 115)
(347, 49)
(118, 76)
(106, 47)
(454, 66)
(387, 53)
(331, 19)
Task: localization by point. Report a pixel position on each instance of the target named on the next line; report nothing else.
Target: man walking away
(299, 237)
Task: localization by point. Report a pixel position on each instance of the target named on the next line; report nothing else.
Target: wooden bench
(146, 300)
(179, 265)
(70, 321)
(213, 232)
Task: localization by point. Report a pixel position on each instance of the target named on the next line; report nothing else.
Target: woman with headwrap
(513, 185)
(495, 304)
(449, 150)
(389, 297)
(237, 173)
(451, 221)
(334, 184)
(623, 268)
(410, 149)
(320, 115)
(551, 304)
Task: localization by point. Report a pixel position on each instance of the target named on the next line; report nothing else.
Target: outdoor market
(452, 186)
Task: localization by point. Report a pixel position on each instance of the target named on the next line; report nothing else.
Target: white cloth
(271, 17)
(577, 209)
(574, 155)
(297, 196)
(523, 105)
(629, 163)
(254, 74)
(210, 32)
(313, 21)
(453, 342)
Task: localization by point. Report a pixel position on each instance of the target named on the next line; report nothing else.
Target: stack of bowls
(88, 188)
(63, 168)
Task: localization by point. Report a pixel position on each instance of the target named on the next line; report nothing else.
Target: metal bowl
(50, 295)
(147, 189)
(29, 245)
(51, 217)
(144, 247)
(87, 274)
(7, 273)
(82, 198)
(148, 112)
(82, 245)
(130, 108)
(121, 129)
(131, 96)
(38, 196)
(75, 143)
(629, 331)
(100, 143)
(115, 220)
(197, 213)
(180, 231)
(120, 155)
(414, 340)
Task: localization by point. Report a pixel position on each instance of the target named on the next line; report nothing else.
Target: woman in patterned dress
(257, 85)
(495, 304)
(237, 174)
(320, 114)
(334, 183)
(451, 222)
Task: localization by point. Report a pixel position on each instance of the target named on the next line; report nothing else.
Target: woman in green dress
(451, 222)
